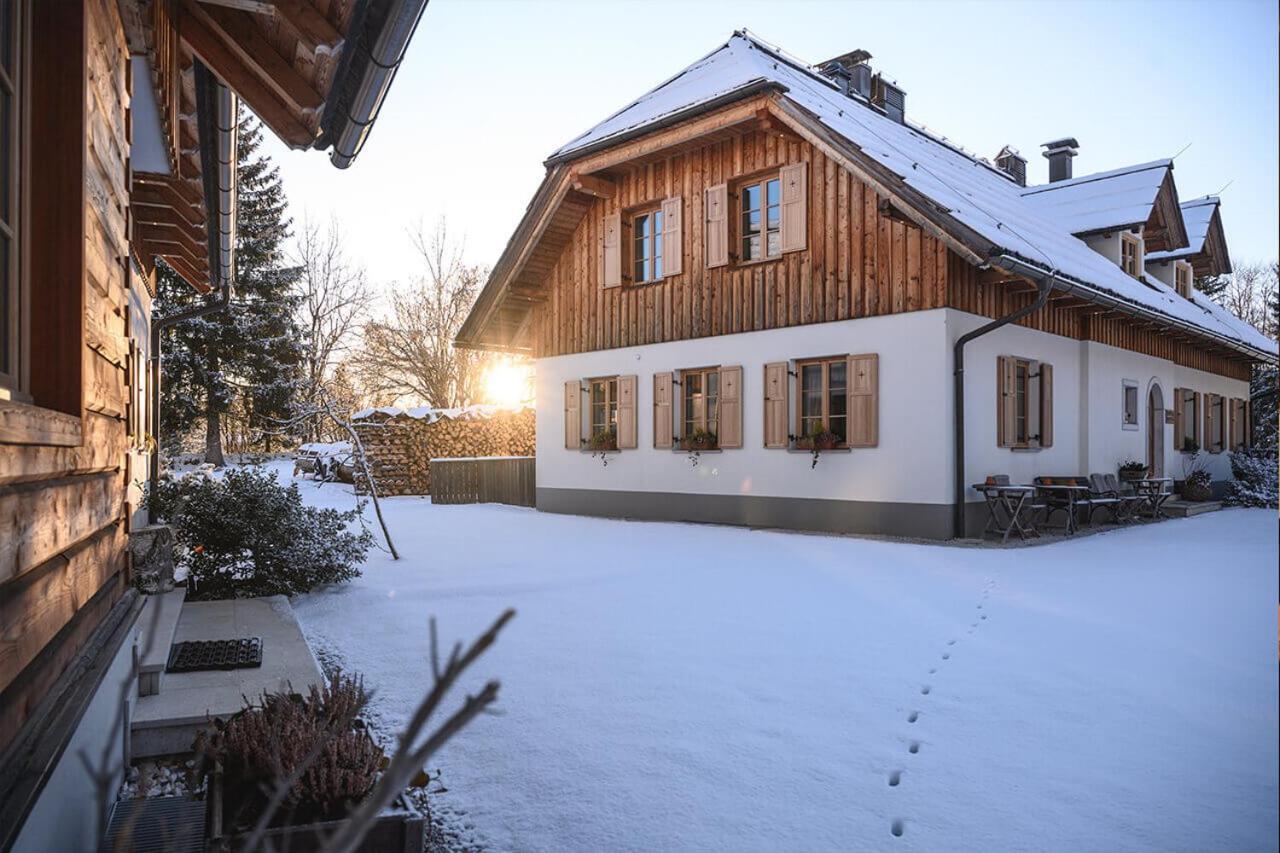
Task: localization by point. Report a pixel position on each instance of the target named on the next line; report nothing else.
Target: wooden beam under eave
(593, 186)
(188, 272)
(165, 236)
(242, 34)
(258, 7)
(315, 34)
(224, 60)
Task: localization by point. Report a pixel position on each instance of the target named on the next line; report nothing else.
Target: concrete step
(159, 623)
(1186, 509)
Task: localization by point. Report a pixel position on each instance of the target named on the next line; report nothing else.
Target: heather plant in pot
(1196, 481)
(1132, 470)
(698, 441)
(601, 443)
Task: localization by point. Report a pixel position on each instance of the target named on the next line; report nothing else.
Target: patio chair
(1130, 501)
(1100, 497)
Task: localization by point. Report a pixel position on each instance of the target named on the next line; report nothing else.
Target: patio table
(1152, 489)
(1007, 506)
(1067, 498)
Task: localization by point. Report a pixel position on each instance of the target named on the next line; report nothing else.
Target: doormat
(202, 655)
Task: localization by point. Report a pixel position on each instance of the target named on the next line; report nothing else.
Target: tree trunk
(213, 439)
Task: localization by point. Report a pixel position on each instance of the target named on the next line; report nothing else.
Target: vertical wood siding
(62, 509)
(857, 262)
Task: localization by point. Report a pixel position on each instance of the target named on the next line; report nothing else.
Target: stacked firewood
(399, 446)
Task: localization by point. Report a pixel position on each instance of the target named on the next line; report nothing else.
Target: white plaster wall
(1107, 245)
(1109, 444)
(911, 463)
(1163, 270)
(65, 817)
(1089, 433)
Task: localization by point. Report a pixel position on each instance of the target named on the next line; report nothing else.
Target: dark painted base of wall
(915, 521)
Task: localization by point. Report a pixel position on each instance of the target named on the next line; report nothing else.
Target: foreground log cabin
(762, 258)
(117, 153)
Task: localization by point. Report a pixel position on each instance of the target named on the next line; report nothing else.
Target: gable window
(824, 397)
(1024, 403)
(1130, 404)
(11, 165)
(1182, 279)
(646, 249)
(1131, 254)
(603, 397)
(760, 220)
(700, 411)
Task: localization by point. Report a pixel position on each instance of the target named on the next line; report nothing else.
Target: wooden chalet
(118, 146)
(759, 248)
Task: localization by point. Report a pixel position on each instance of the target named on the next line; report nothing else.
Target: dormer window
(1182, 279)
(1131, 254)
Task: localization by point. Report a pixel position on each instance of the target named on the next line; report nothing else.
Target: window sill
(589, 450)
(757, 262)
(809, 451)
(26, 423)
(1026, 449)
(1129, 427)
(678, 449)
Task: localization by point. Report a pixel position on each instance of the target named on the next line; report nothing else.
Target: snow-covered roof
(969, 190)
(1197, 214)
(1120, 197)
(474, 412)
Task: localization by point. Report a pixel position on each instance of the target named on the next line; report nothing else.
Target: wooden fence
(489, 479)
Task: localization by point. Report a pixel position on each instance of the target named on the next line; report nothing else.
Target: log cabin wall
(858, 263)
(861, 261)
(62, 509)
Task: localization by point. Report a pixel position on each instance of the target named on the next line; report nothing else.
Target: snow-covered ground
(680, 687)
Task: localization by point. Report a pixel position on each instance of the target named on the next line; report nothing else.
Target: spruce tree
(253, 350)
(1212, 285)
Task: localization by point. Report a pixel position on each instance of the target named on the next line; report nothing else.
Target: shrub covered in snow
(320, 735)
(245, 535)
(1255, 481)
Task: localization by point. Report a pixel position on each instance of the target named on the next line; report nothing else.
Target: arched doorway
(1155, 430)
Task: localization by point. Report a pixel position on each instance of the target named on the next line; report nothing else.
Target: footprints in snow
(898, 827)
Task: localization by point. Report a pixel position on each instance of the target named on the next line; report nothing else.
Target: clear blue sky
(490, 88)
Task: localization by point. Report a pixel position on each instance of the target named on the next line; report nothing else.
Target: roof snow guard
(969, 203)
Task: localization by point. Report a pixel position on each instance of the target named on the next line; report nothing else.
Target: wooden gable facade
(868, 250)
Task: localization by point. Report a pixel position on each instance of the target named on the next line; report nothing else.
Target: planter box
(397, 832)
(1130, 476)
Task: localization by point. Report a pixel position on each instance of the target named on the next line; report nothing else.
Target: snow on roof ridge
(1167, 162)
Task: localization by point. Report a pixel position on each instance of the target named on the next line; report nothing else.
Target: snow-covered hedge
(1256, 478)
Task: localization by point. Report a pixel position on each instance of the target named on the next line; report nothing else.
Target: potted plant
(1132, 470)
(1196, 487)
(319, 742)
(819, 439)
(602, 443)
(698, 441)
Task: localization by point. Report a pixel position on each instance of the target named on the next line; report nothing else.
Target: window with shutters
(760, 220)
(1182, 278)
(646, 246)
(700, 406)
(1129, 403)
(1024, 403)
(1131, 254)
(823, 385)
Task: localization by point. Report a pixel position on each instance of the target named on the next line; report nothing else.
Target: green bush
(244, 534)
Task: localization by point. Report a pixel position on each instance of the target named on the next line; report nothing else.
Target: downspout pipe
(1044, 285)
(378, 36)
(217, 119)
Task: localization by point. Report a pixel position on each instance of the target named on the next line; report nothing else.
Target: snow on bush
(244, 535)
(1255, 481)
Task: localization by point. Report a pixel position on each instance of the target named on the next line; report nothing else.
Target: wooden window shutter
(863, 391)
(1207, 418)
(716, 234)
(572, 415)
(611, 237)
(1178, 422)
(1046, 405)
(662, 423)
(1248, 423)
(775, 404)
(1231, 423)
(627, 412)
(730, 415)
(672, 236)
(1195, 418)
(1006, 412)
(795, 206)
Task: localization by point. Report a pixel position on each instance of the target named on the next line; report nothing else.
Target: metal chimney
(1012, 164)
(851, 71)
(1059, 153)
